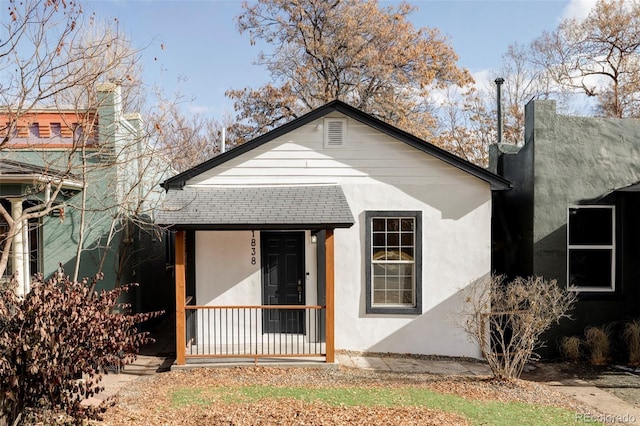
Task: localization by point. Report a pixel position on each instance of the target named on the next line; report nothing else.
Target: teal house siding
(116, 201)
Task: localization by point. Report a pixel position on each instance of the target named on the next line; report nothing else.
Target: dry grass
(598, 341)
(571, 348)
(631, 336)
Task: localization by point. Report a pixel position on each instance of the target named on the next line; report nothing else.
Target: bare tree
(469, 119)
(597, 56)
(56, 58)
(34, 69)
(467, 125)
(188, 140)
(350, 50)
(523, 81)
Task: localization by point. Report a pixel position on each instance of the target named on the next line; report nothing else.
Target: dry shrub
(571, 348)
(631, 336)
(598, 341)
(506, 319)
(62, 330)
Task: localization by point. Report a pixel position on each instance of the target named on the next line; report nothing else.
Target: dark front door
(283, 280)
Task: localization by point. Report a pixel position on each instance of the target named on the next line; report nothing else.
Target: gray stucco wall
(567, 161)
(576, 159)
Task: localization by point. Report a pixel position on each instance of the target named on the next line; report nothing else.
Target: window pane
(590, 226)
(379, 297)
(394, 254)
(405, 270)
(378, 239)
(393, 224)
(379, 253)
(393, 239)
(407, 283)
(379, 225)
(407, 253)
(378, 270)
(590, 268)
(379, 282)
(393, 283)
(407, 239)
(407, 224)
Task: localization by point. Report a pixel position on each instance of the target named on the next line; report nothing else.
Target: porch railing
(255, 331)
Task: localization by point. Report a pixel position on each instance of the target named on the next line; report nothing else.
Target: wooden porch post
(180, 298)
(329, 289)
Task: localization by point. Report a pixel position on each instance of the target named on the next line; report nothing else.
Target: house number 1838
(253, 247)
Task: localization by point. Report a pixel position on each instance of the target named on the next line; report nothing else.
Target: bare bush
(506, 319)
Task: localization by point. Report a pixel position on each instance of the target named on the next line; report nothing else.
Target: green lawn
(478, 412)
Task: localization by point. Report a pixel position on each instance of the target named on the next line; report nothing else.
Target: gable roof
(496, 182)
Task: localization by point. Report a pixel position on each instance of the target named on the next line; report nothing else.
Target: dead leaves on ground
(148, 400)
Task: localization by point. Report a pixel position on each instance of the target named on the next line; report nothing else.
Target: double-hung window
(393, 262)
(591, 248)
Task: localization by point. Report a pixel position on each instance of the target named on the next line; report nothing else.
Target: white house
(333, 232)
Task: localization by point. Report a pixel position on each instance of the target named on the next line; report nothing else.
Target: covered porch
(271, 245)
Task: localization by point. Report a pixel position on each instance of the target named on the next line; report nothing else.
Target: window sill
(394, 310)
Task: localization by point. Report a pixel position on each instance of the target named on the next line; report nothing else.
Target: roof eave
(256, 226)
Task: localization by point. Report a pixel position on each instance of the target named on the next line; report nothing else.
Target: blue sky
(193, 47)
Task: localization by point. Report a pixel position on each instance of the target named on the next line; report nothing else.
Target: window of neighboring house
(35, 256)
(56, 130)
(34, 130)
(591, 248)
(394, 262)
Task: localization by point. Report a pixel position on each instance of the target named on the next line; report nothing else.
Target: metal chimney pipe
(499, 82)
(223, 142)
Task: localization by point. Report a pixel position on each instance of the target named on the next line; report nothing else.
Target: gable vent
(335, 132)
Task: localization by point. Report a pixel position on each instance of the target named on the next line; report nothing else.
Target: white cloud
(578, 9)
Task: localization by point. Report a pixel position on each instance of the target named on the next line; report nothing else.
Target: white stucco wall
(376, 173)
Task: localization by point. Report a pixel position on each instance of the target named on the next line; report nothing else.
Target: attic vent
(335, 132)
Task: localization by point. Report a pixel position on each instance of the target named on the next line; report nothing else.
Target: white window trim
(611, 247)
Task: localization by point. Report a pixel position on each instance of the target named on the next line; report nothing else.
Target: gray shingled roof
(256, 207)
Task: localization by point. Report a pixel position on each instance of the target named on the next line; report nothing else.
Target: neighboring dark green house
(116, 186)
(572, 214)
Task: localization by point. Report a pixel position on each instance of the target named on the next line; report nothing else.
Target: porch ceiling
(256, 207)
